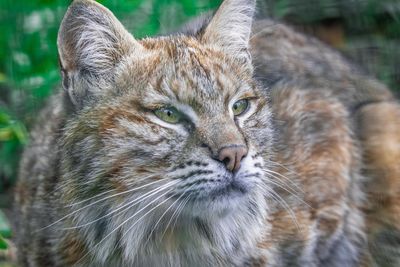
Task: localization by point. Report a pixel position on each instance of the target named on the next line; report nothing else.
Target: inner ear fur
(91, 42)
(230, 27)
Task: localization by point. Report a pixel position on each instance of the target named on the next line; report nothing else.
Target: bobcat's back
(329, 112)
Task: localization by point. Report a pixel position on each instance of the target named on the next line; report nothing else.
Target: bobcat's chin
(226, 192)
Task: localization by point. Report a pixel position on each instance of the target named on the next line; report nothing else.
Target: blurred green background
(367, 31)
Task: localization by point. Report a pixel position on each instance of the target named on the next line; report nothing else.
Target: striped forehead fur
(92, 42)
(182, 69)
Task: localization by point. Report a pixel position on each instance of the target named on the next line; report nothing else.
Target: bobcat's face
(186, 122)
(164, 131)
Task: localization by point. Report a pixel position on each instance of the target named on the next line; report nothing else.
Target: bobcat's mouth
(231, 189)
(228, 187)
(215, 186)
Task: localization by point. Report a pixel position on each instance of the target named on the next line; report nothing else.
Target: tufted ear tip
(91, 41)
(230, 28)
(89, 25)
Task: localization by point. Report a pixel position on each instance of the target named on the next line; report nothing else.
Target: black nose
(232, 156)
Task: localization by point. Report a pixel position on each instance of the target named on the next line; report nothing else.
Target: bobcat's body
(319, 185)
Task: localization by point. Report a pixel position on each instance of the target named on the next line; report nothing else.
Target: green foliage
(5, 231)
(12, 137)
(3, 244)
(363, 15)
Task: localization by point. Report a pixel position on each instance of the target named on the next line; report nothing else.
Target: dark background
(366, 31)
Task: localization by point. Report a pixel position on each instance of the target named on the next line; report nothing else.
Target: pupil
(169, 113)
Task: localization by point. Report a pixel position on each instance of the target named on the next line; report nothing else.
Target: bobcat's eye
(168, 114)
(240, 107)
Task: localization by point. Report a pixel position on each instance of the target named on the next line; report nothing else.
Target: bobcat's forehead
(185, 71)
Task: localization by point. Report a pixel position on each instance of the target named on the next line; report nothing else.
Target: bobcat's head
(165, 131)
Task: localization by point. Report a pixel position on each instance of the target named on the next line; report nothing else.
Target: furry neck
(224, 240)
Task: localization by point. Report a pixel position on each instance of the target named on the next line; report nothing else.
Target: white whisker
(88, 199)
(179, 210)
(286, 178)
(285, 205)
(290, 190)
(97, 201)
(126, 205)
(130, 218)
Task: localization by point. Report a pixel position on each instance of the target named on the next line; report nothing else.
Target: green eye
(169, 114)
(240, 107)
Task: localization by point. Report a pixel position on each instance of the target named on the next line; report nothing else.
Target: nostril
(226, 161)
(231, 156)
(241, 153)
(228, 157)
(229, 163)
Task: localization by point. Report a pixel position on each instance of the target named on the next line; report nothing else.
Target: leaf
(3, 78)
(5, 134)
(3, 243)
(5, 230)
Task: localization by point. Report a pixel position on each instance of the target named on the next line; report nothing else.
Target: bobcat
(230, 143)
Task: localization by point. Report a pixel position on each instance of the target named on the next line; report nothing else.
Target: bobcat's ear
(230, 27)
(91, 41)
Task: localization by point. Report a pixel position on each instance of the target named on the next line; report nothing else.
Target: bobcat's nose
(231, 156)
